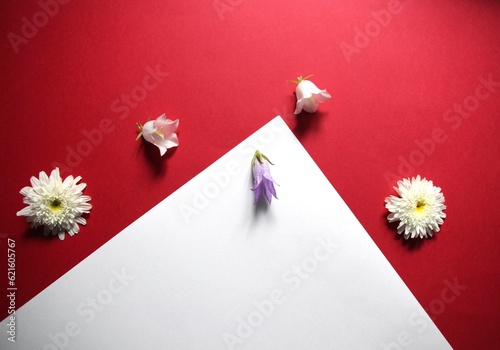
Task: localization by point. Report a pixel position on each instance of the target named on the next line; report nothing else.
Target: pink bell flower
(309, 96)
(160, 132)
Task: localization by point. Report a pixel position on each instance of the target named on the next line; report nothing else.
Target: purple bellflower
(262, 181)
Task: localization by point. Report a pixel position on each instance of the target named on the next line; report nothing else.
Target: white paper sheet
(206, 269)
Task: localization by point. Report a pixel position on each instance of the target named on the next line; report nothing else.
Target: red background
(227, 74)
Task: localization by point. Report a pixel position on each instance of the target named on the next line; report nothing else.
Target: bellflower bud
(262, 180)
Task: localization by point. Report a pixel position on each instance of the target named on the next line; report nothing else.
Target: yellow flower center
(420, 206)
(55, 205)
(160, 133)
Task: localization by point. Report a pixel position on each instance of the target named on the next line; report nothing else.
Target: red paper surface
(415, 90)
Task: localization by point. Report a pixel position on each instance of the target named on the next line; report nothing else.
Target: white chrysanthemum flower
(55, 204)
(419, 209)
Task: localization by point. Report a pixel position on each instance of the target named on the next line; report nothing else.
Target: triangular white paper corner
(208, 269)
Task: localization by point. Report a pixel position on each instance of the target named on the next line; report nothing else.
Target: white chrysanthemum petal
(56, 204)
(68, 181)
(81, 220)
(55, 174)
(419, 208)
(25, 190)
(44, 178)
(35, 182)
(80, 187)
(84, 198)
(24, 212)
